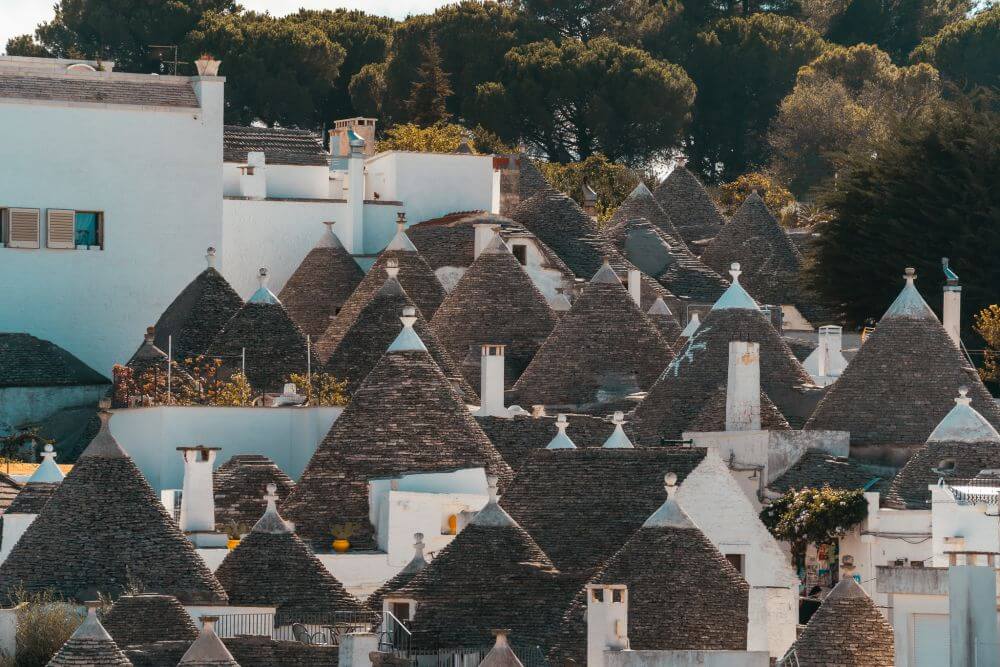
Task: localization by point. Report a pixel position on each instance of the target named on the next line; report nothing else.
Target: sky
(18, 17)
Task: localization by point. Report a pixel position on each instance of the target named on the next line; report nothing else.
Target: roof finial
(963, 398)
(271, 522)
(491, 482)
(262, 277)
(561, 439)
(909, 274)
(263, 294)
(150, 335)
(47, 471)
(618, 439)
(210, 257)
(734, 271)
(670, 483)
(409, 316)
(400, 221)
(407, 338)
(392, 267)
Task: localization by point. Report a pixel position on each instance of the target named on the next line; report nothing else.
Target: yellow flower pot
(232, 544)
(340, 546)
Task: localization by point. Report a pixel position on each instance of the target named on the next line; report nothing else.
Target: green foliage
(122, 30)
(440, 138)
(277, 71)
(895, 26)
(814, 516)
(612, 182)
(427, 103)
(927, 190)
(743, 67)
(44, 622)
(365, 40)
(321, 388)
(844, 100)
(774, 194)
(573, 99)
(25, 45)
(966, 52)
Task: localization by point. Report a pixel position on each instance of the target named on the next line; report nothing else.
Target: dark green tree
(743, 68)
(927, 191)
(572, 99)
(278, 70)
(123, 30)
(966, 52)
(473, 38)
(428, 100)
(365, 40)
(895, 26)
(25, 45)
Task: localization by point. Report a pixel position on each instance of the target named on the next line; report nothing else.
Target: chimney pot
(635, 286)
(743, 387)
(491, 380)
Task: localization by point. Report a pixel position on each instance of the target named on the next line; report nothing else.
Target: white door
(930, 640)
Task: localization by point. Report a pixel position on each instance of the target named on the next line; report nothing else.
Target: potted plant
(342, 532)
(235, 531)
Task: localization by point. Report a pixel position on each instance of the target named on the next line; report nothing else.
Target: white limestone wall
(283, 180)
(156, 175)
(26, 405)
(431, 184)
(272, 234)
(685, 659)
(380, 224)
(716, 502)
(961, 527)
(288, 436)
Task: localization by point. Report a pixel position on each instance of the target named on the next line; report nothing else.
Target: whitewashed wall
(431, 184)
(24, 405)
(283, 180)
(288, 436)
(717, 504)
(156, 174)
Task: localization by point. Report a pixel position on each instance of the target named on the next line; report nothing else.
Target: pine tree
(429, 94)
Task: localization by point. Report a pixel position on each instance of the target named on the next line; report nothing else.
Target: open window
(89, 229)
(738, 561)
(520, 253)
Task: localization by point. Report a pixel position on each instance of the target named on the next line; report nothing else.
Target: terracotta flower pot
(340, 546)
(232, 544)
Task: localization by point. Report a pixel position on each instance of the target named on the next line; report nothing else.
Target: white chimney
(952, 308)
(253, 177)
(635, 286)
(198, 497)
(831, 339)
(607, 621)
(491, 382)
(485, 231)
(743, 387)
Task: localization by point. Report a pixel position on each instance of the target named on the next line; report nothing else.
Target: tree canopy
(966, 52)
(926, 191)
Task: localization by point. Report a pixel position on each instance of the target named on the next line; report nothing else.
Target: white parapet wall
(685, 659)
(287, 435)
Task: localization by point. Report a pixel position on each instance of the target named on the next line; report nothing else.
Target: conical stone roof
(682, 593)
(491, 575)
(415, 275)
(960, 447)
(755, 239)
(659, 314)
(237, 484)
(563, 226)
(903, 380)
(405, 418)
(208, 650)
(375, 327)
(689, 206)
(603, 349)
(273, 567)
(669, 260)
(494, 302)
(325, 279)
(197, 314)
(104, 531)
(402, 578)
(847, 630)
(148, 618)
(642, 204)
(90, 646)
(679, 395)
(275, 346)
(502, 654)
(531, 181)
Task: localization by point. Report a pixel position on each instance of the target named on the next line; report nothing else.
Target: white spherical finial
(909, 274)
(392, 267)
(670, 482)
(561, 422)
(409, 316)
(618, 418)
(734, 270)
(963, 398)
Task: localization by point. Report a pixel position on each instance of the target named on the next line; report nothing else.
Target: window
(90, 229)
(401, 610)
(521, 253)
(736, 560)
(21, 227)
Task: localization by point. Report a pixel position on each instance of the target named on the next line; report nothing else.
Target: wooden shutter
(22, 227)
(60, 228)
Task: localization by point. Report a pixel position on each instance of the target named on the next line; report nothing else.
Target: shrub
(44, 622)
(814, 516)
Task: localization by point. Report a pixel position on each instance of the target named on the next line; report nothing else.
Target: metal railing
(320, 628)
(529, 654)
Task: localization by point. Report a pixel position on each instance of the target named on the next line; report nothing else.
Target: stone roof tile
(280, 145)
(26, 361)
